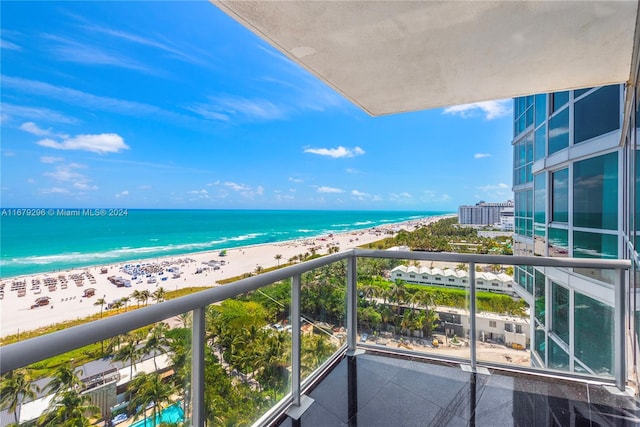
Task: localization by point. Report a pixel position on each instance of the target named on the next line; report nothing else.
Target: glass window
(539, 201)
(595, 245)
(540, 343)
(558, 99)
(560, 196)
(637, 192)
(559, 131)
(540, 307)
(595, 192)
(540, 143)
(558, 243)
(580, 92)
(541, 108)
(558, 358)
(593, 334)
(597, 114)
(560, 311)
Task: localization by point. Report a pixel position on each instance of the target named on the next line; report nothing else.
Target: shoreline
(196, 270)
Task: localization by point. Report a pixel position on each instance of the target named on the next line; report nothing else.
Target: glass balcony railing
(247, 352)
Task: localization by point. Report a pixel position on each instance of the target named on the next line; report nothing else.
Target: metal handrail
(23, 353)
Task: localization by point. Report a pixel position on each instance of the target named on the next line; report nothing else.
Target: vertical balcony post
(352, 301)
(472, 314)
(197, 366)
(295, 339)
(619, 332)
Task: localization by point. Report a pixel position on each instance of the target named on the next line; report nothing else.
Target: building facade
(456, 279)
(574, 157)
(483, 213)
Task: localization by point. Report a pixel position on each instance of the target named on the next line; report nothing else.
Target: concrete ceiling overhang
(395, 56)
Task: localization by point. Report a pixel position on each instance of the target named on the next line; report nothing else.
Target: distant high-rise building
(483, 213)
(575, 195)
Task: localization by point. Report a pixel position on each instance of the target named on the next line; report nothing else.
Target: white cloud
(490, 109)
(99, 143)
(296, 180)
(242, 189)
(338, 152)
(5, 44)
(481, 155)
(325, 189)
(149, 42)
(200, 194)
(434, 197)
(89, 53)
(226, 108)
(494, 187)
(6, 153)
(353, 171)
(122, 194)
(35, 130)
(144, 187)
(51, 159)
(403, 195)
(236, 187)
(54, 190)
(68, 174)
(85, 100)
(31, 181)
(34, 113)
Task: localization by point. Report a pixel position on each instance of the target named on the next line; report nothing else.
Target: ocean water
(55, 241)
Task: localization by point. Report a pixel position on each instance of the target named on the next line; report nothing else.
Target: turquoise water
(37, 244)
(171, 414)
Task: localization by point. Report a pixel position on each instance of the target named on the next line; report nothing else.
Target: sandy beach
(66, 288)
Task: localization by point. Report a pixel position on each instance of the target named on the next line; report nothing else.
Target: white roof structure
(395, 56)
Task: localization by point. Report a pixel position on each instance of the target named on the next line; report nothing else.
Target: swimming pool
(170, 414)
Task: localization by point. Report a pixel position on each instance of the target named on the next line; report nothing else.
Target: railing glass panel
(247, 355)
(323, 329)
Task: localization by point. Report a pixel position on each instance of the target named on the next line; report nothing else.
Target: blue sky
(175, 105)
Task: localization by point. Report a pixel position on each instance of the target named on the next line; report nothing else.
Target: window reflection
(560, 311)
(595, 192)
(559, 131)
(558, 243)
(560, 196)
(597, 114)
(593, 322)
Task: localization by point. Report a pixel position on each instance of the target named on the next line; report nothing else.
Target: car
(363, 337)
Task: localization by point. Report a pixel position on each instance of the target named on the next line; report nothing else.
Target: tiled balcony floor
(404, 392)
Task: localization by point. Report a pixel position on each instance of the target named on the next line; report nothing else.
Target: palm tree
(157, 341)
(145, 295)
(259, 269)
(65, 377)
(16, 387)
(117, 305)
(129, 351)
(398, 293)
(158, 295)
(125, 301)
(149, 389)
(496, 268)
(70, 408)
(101, 302)
(278, 257)
(137, 295)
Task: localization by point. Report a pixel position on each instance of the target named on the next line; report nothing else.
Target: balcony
(322, 365)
